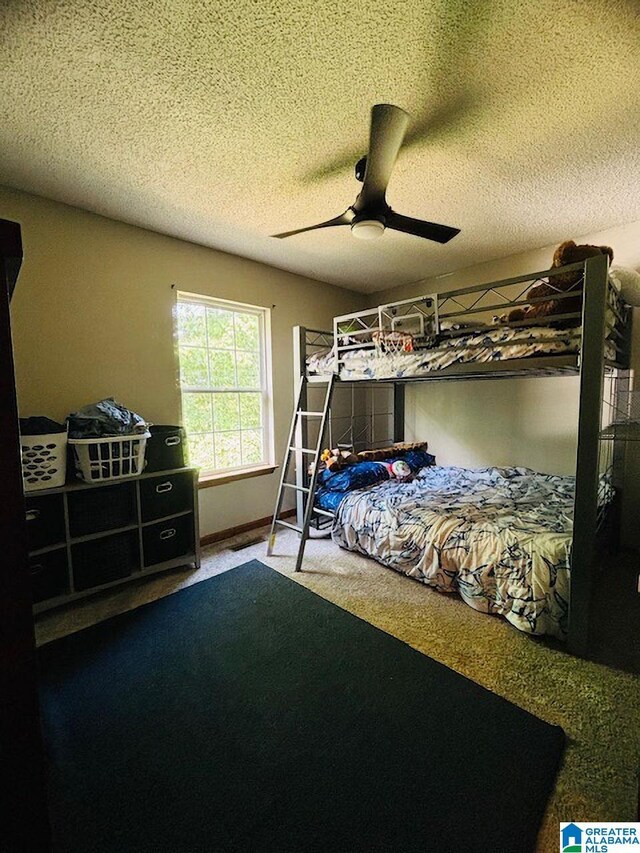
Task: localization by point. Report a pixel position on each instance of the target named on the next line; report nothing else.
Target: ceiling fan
(370, 214)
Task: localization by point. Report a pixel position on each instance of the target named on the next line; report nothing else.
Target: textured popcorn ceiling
(223, 121)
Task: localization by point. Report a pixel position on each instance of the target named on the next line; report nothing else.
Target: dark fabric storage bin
(102, 508)
(167, 540)
(106, 559)
(49, 575)
(45, 521)
(166, 448)
(166, 495)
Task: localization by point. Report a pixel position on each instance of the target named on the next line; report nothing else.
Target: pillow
(417, 459)
(396, 451)
(356, 476)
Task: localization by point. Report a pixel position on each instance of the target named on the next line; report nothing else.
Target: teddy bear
(566, 253)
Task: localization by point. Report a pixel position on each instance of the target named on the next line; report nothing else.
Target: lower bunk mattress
(499, 537)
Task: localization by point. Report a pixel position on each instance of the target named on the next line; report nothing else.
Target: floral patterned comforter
(500, 537)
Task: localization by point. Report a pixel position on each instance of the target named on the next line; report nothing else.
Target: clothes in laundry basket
(104, 418)
(40, 426)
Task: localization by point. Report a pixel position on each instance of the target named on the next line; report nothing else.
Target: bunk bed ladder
(308, 491)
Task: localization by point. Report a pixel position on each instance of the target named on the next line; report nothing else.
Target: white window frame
(266, 381)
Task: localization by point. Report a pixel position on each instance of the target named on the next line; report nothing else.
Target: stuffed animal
(400, 470)
(397, 470)
(337, 459)
(566, 253)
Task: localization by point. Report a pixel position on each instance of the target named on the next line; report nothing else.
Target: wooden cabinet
(88, 537)
(25, 822)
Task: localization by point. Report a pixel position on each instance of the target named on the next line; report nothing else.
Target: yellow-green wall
(92, 317)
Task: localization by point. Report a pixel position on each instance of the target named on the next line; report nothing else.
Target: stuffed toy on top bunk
(566, 253)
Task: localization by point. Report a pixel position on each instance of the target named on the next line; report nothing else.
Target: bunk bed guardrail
(437, 319)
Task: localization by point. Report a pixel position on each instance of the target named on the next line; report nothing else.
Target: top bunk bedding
(361, 357)
(487, 345)
(490, 344)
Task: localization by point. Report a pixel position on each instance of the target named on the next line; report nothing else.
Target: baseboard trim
(219, 535)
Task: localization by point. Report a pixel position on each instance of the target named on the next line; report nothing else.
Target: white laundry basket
(44, 460)
(111, 458)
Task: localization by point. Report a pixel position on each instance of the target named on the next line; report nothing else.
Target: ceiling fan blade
(345, 218)
(420, 228)
(443, 118)
(388, 127)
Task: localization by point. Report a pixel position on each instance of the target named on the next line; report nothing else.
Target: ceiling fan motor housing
(368, 227)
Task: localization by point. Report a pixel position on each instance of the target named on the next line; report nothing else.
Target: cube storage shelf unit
(87, 537)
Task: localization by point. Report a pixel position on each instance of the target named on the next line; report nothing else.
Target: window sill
(206, 481)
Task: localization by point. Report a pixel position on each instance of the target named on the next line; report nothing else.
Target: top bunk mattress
(490, 344)
(486, 345)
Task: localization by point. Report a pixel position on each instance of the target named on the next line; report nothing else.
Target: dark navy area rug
(246, 713)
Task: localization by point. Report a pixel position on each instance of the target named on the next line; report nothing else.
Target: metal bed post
(585, 516)
(301, 436)
(372, 416)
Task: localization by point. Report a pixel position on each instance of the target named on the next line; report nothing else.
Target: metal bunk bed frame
(602, 364)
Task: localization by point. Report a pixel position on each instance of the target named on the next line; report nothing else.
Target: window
(225, 381)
